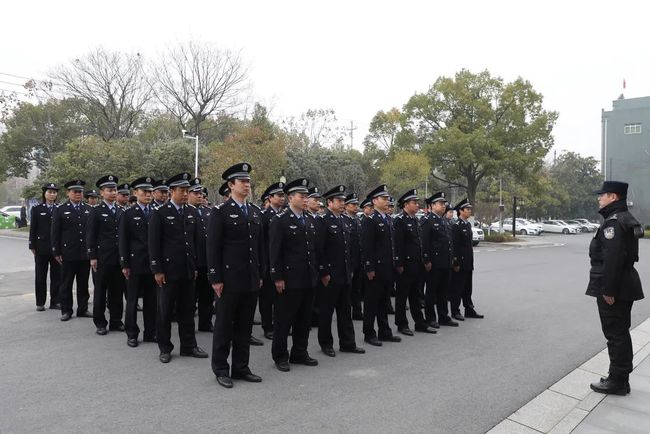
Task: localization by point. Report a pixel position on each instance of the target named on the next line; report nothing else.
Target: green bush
(499, 238)
(647, 233)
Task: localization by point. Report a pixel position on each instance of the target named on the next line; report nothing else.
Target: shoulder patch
(609, 232)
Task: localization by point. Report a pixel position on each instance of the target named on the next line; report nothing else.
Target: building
(626, 151)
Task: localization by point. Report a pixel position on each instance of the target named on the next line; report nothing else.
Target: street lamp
(196, 151)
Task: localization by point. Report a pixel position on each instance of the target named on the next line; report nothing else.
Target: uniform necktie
(146, 212)
(301, 219)
(244, 209)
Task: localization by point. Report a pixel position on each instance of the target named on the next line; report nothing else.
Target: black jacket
(267, 216)
(234, 252)
(68, 232)
(377, 245)
(40, 229)
(292, 250)
(408, 243)
(462, 245)
(354, 225)
(613, 252)
(334, 249)
(172, 242)
(134, 240)
(436, 241)
(202, 214)
(102, 234)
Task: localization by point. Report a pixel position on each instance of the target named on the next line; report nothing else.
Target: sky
(361, 57)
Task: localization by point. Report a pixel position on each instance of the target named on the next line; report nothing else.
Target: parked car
(593, 227)
(477, 235)
(13, 210)
(7, 221)
(521, 229)
(583, 227)
(559, 227)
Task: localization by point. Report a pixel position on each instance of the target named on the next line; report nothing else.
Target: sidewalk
(14, 233)
(522, 241)
(570, 406)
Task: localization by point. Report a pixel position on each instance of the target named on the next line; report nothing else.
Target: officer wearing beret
(275, 195)
(69, 249)
(354, 224)
(103, 252)
(437, 251)
(463, 264)
(173, 240)
(41, 247)
(160, 193)
(235, 272)
(293, 263)
(134, 260)
(92, 197)
(377, 259)
(615, 283)
(123, 194)
(409, 265)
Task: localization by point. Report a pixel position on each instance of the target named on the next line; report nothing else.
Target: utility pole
(351, 130)
(514, 216)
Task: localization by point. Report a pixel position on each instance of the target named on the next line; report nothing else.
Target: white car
(593, 227)
(521, 228)
(559, 227)
(477, 235)
(13, 210)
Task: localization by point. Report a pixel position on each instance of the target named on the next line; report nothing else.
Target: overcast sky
(361, 57)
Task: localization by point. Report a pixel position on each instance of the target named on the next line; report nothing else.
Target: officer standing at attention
(463, 265)
(160, 193)
(123, 195)
(173, 237)
(92, 197)
(103, 252)
(41, 247)
(615, 283)
(437, 251)
(377, 259)
(134, 260)
(353, 222)
(224, 192)
(69, 249)
(203, 291)
(367, 208)
(235, 272)
(293, 263)
(409, 266)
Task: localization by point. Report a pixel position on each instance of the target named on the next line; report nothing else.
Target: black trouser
(331, 297)
(293, 310)
(205, 296)
(145, 284)
(42, 262)
(461, 283)
(377, 291)
(267, 295)
(180, 292)
(436, 294)
(615, 322)
(408, 288)
(71, 270)
(357, 291)
(109, 283)
(233, 326)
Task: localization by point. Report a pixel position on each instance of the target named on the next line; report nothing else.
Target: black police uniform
(173, 237)
(204, 293)
(102, 242)
(40, 242)
(134, 255)
(613, 252)
(234, 256)
(267, 292)
(356, 293)
(464, 259)
(69, 241)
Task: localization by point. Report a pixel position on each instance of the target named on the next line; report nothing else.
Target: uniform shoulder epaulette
(399, 216)
(281, 213)
(612, 217)
(255, 206)
(220, 205)
(190, 205)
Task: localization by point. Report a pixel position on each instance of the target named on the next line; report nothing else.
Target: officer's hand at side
(126, 272)
(400, 269)
(160, 278)
(456, 268)
(261, 282)
(371, 275)
(59, 259)
(609, 300)
(93, 264)
(279, 286)
(218, 289)
(325, 280)
(427, 267)
(196, 274)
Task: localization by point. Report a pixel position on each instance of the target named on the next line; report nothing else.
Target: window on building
(632, 129)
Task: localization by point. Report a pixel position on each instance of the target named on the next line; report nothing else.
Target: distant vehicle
(559, 227)
(477, 235)
(522, 229)
(577, 227)
(583, 227)
(13, 210)
(7, 221)
(593, 227)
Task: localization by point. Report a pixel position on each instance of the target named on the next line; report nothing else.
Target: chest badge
(609, 233)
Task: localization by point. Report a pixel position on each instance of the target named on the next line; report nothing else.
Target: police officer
(123, 194)
(103, 252)
(354, 224)
(377, 259)
(69, 249)
(314, 205)
(615, 283)
(409, 265)
(275, 195)
(235, 272)
(437, 251)
(41, 247)
(463, 265)
(335, 270)
(92, 197)
(224, 192)
(293, 263)
(134, 260)
(367, 208)
(204, 294)
(173, 239)
(160, 193)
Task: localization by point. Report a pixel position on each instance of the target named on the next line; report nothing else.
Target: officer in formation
(615, 283)
(160, 193)
(123, 195)
(91, 197)
(354, 224)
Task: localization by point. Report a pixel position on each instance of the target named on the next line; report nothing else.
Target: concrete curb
(14, 234)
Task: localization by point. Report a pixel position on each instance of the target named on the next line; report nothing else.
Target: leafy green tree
(388, 132)
(406, 170)
(579, 177)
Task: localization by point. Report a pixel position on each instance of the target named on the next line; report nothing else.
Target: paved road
(61, 377)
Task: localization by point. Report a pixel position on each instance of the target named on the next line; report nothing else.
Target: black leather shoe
(206, 328)
(390, 339)
(250, 377)
(225, 382)
(40, 308)
(449, 323)
(458, 316)
(355, 350)
(117, 327)
(373, 341)
(101, 331)
(471, 313)
(195, 352)
(165, 357)
(307, 361)
(405, 331)
(329, 352)
(268, 335)
(611, 387)
(252, 340)
(85, 314)
(434, 324)
(283, 366)
(426, 329)
(66, 317)
(627, 383)
(132, 342)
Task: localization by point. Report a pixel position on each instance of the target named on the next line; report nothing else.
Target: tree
(388, 132)
(319, 127)
(578, 177)
(406, 170)
(475, 126)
